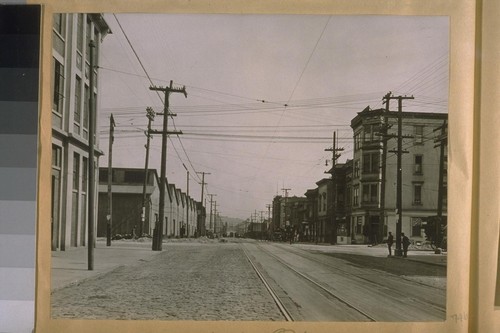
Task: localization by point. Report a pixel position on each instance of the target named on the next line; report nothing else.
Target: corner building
(370, 217)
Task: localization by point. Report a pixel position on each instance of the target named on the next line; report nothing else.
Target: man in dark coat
(390, 241)
(406, 243)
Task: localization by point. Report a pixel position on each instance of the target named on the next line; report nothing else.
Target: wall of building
(70, 92)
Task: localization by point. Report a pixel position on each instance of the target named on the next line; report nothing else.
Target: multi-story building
(277, 219)
(342, 208)
(71, 91)
(297, 215)
(371, 217)
(325, 223)
(312, 215)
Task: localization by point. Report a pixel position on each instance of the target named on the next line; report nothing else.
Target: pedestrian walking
(390, 241)
(406, 243)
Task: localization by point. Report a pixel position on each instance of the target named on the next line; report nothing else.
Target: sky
(264, 94)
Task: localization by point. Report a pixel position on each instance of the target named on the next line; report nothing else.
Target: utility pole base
(398, 252)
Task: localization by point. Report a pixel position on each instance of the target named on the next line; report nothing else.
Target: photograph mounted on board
(226, 167)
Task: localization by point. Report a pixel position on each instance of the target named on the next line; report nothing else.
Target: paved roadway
(357, 293)
(215, 281)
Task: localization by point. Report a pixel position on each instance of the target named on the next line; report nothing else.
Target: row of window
(370, 194)
(77, 173)
(81, 89)
(416, 226)
(371, 164)
(371, 134)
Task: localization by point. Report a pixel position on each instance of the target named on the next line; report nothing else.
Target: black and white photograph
(249, 167)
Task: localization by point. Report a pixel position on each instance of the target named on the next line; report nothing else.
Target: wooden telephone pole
(91, 163)
(399, 199)
(441, 141)
(151, 115)
(158, 233)
(333, 201)
(202, 231)
(110, 180)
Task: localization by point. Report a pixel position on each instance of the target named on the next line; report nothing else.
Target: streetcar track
(317, 285)
(281, 306)
(346, 273)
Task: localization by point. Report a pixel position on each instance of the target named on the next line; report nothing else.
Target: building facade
(127, 189)
(372, 218)
(71, 68)
(127, 201)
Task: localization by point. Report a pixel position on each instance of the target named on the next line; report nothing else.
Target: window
(419, 134)
(368, 133)
(356, 169)
(417, 194)
(357, 141)
(88, 37)
(79, 42)
(85, 167)
(59, 23)
(370, 193)
(355, 197)
(324, 202)
(418, 164)
(416, 226)
(79, 33)
(86, 112)
(371, 163)
(76, 171)
(359, 225)
(56, 156)
(134, 177)
(57, 104)
(78, 105)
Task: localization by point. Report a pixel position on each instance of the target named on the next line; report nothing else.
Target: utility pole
(399, 199)
(110, 180)
(151, 115)
(187, 202)
(269, 223)
(335, 156)
(203, 183)
(202, 195)
(441, 141)
(159, 227)
(384, 138)
(211, 203)
(288, 228)
(215, 217)
(91, 161)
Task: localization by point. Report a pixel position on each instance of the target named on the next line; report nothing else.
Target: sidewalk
(71, 266)
(424, 256)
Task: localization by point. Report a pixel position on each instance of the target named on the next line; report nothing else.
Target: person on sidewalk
(390, 241)
(406, 243)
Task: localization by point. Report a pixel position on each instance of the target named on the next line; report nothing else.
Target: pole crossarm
(158, 233)
(166, 132)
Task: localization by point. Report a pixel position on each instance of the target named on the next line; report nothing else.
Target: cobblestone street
(184, 282)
